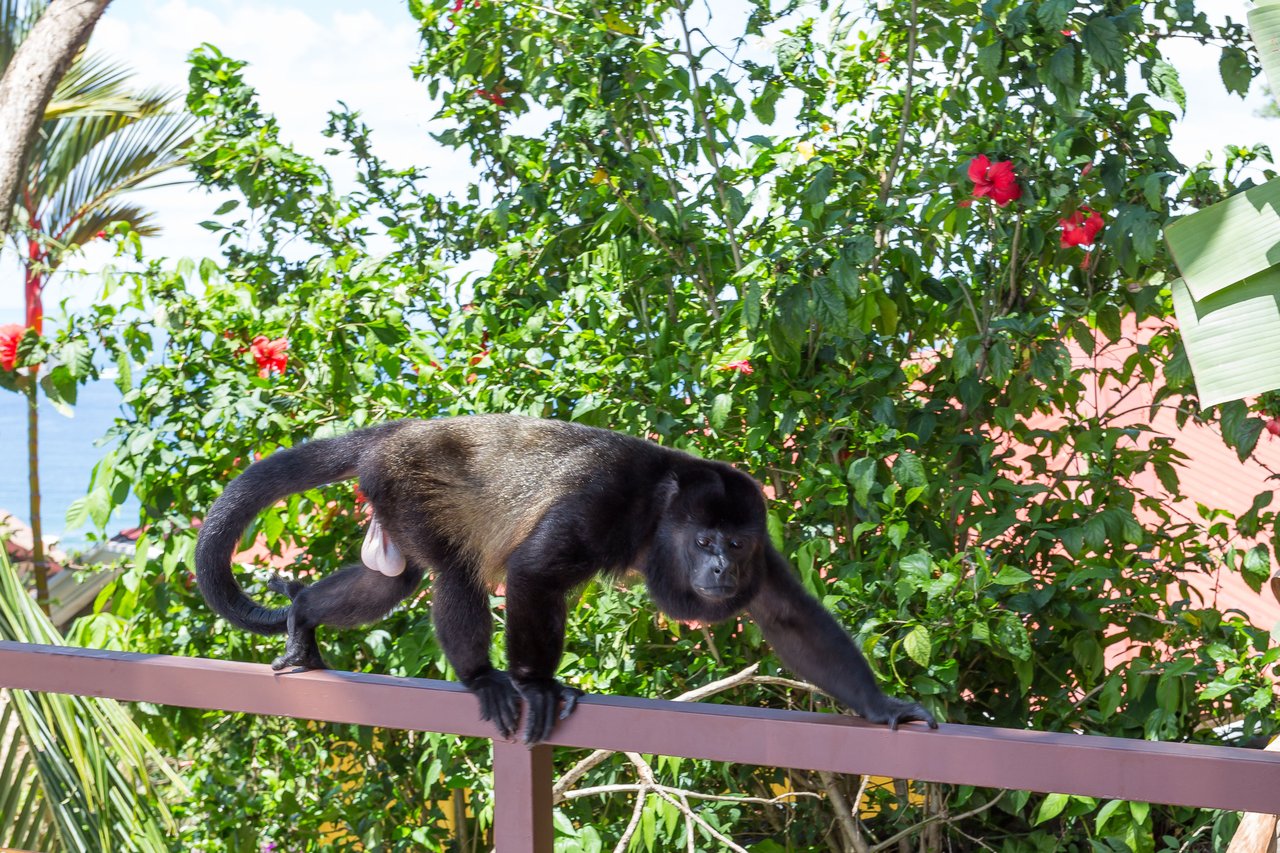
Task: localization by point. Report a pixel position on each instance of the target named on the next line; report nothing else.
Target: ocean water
(68, 452)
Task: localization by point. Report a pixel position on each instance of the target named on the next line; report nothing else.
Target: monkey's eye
(735, 544)
(704, 542)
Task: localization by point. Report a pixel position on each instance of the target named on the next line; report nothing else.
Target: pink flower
(269, 355)
(1273, 427)
(996, 180)
(743, 366)
(1069, 33)
(10, 335)
(1077, 230)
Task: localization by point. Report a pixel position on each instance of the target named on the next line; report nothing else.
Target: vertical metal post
(522, 798)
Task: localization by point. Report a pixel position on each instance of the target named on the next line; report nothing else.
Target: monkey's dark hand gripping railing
(1183, 774)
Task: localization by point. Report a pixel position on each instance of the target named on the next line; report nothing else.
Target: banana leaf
(1231, 337)
(1229, 241)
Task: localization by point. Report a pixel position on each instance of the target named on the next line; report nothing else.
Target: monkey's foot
(278, 583)
(542, 696)
(894, 711)
(305, 658)
(499, 699)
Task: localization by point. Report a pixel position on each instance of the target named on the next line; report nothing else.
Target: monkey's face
(707, 555)
(718, 562)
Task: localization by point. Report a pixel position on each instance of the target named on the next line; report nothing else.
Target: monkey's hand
(542, 697)
(895, 711)
(499, 699)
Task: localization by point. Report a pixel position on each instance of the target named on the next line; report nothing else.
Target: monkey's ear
(665, 492)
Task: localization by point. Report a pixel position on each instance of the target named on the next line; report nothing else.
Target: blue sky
(307, 56)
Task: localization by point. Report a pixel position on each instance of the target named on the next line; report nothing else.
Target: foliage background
(644, 224)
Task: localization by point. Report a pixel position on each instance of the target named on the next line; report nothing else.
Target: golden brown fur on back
(482, 483)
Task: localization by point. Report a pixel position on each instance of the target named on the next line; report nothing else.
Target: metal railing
(1114, 768)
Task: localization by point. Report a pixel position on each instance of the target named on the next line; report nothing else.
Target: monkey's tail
(266, 481)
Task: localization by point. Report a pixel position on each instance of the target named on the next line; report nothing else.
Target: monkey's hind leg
(351, 597)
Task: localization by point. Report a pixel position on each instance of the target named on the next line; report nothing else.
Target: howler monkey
(542, 505)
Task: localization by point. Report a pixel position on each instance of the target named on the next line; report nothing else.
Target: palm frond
(87, 227)
(95, 85)
(17, 17)
(25, 821)
(123, 160)
(92, 762)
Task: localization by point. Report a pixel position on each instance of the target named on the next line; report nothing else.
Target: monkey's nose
(719, 565)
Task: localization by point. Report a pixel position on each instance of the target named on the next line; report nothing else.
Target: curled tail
(279, 475)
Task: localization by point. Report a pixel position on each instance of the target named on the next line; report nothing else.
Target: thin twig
(886, 182)
(565, 782)
(844, 813)
(641, 787)
(716, 179)
(892, 840)
(680, 801)
(635, 822)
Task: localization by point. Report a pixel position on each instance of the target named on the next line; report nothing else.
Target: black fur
(544, 505)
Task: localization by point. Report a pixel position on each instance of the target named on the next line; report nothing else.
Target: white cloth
(378, 551)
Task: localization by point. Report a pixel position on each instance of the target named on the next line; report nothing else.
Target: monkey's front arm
(812, 644)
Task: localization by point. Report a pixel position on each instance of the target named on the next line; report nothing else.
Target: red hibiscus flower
(492, 97)
(1273, 427)
(10, 334)
(743, 366)
(1079, 230)
(269, 355)
(996, 180)
(882, 58)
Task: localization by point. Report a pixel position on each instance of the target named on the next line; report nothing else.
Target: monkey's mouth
(719, 592)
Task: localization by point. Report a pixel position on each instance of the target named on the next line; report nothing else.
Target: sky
(306, 55)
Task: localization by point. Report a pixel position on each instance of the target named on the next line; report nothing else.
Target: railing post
(522, 798)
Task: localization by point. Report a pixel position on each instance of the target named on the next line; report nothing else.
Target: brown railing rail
(1183, 774)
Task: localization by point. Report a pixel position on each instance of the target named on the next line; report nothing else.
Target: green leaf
(1108, 318)
(1236, 71)
(1050, 807)
(1256, 567)
(909, 470)
(1052, 14)
(1102, 40)
(919, 645)
(989, 56)
(1009, 576)
(775, 528)
(1062, 65)
(1165, 83)
(720, 407)
(1230, 338)
(862, 476)
(1106, 813)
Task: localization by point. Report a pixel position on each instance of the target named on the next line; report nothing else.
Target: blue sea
(68, 452)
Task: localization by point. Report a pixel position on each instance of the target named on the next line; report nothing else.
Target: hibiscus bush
(850, 251)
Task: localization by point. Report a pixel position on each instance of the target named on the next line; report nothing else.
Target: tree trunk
(39, 566)
(1257, 833)
(28, 83)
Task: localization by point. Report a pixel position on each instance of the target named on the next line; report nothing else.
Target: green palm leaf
(79, 765)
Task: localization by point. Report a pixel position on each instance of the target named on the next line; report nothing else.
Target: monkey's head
(708, 552)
